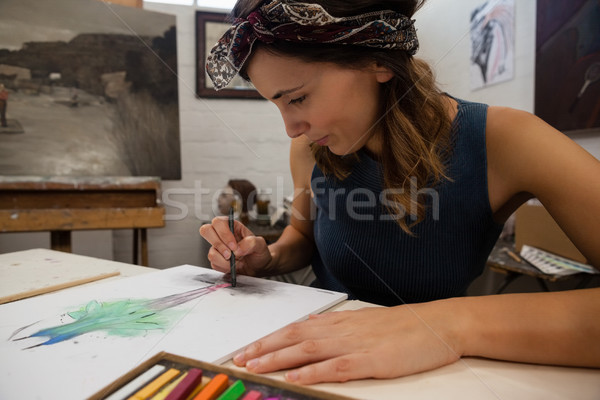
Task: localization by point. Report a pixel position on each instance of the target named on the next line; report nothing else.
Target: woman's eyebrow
(287, 91)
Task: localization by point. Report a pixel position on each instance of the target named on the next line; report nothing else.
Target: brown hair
(414, 124)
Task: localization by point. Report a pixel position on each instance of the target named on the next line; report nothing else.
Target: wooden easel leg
(144, 247)
(61, 241)
(135, 246)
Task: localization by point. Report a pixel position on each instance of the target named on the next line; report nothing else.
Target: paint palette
(172, 377)
(552, 264)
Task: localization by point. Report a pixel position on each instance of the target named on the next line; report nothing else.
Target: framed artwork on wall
(492, 43)
(91, 90)
(210, 26)
(567, 71)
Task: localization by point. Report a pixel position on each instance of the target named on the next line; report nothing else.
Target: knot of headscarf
(305, 23)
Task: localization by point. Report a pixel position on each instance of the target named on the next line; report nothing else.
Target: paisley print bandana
(305, 23)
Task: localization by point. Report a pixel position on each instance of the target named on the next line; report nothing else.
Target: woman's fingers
(338, 369)
(218, 234)
(241, 230)
(290, 335)
(306, 352)
(221, 228)
(210, 233)
(217, 261)
(251, 251)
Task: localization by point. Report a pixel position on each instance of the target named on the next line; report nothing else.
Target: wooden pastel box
(268, 387)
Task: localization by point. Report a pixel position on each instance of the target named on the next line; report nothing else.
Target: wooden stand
(64, 204)
(499, 261)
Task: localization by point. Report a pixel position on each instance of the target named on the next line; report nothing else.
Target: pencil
(514, 256)
(232, 259)
(511, 254)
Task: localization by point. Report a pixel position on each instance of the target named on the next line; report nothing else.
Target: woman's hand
(368, 343)
(251, 252)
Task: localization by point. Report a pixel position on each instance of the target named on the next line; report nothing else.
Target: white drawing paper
(186, 310)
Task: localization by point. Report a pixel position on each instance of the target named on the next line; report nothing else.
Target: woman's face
(330, 105)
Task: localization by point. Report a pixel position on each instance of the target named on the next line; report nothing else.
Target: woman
(411, 188)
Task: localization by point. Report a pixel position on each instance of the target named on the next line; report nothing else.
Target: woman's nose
(295, 128)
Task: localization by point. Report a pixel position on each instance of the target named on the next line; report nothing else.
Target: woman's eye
(298, 100)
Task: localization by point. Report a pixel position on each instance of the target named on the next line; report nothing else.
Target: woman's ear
(382, 74)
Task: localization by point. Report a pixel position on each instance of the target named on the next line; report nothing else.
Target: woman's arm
(527, 157)
(560, 328)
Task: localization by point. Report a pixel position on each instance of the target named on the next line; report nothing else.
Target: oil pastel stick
(153, 387)
(164, 392)
(233, 392)
(137, 382)
(214, 388)
(187, 385)
(253, 395)
(205, 380)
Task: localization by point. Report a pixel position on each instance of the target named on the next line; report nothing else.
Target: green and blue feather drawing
(130, 317)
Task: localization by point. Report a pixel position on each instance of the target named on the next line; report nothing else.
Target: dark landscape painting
(567, 71)
(89, 89)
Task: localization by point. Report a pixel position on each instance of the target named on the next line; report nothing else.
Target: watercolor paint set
(171, 377)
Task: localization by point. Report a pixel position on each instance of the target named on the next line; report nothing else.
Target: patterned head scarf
(305, 23)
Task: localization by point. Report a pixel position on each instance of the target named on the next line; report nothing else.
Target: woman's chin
(338, 151)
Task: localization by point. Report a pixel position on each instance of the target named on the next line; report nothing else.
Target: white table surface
(469, 378)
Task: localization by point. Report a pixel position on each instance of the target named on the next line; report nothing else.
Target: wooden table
(469, 378)
(64, 204)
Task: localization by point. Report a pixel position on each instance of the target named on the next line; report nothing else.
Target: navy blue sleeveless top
(362, 251)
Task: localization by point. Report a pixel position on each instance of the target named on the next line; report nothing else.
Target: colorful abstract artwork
(492, 43)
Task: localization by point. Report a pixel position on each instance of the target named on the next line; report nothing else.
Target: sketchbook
(70, 344)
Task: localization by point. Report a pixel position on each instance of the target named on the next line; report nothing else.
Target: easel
(64, 204)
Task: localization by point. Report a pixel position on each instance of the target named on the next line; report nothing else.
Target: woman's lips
(322, 141)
